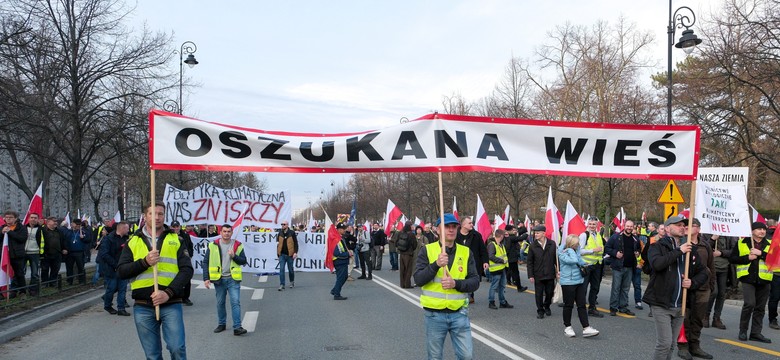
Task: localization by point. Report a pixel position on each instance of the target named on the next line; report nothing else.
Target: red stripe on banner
(283, 169)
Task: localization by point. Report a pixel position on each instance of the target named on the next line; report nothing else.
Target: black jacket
(379, 238)
(477, 246)
(17, 238)
(668, 264)
(541, 261)
(53, 242)
(109, 253)
(615, 244)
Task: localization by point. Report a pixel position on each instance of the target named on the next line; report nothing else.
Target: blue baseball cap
(448, 219)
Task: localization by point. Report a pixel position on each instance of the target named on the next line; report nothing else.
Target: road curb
(41, 317)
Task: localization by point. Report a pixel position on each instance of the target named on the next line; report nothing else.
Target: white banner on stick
(722, 209)
(724, 176)
(434, 142)
(260, 250)
(208, 204)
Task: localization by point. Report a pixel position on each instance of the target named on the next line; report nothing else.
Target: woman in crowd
(573, 286)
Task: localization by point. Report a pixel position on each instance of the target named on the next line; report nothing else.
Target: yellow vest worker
(222, 267)
(749, 257)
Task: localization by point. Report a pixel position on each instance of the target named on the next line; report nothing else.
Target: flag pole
(441, 220)
(691, 213)
(153, 207)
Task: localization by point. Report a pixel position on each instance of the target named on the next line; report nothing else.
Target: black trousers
(572, 294)
(365, 262)
(755, 297)
(50, 269)
(75, 259)
(18, 282)
(544, 293)
(593, 281)
(514, 274)
(774, 297)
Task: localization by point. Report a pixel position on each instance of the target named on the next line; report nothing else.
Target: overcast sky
(335, 66)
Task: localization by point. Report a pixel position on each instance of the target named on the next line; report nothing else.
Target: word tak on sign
(671, 194)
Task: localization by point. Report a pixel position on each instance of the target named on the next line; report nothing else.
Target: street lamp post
(189, 48)
(688, 42)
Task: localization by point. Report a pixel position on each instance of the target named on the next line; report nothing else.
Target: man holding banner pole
(136, 263)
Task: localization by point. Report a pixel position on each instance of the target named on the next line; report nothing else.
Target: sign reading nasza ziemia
(208, 204)
(722, 209)
(432, 143)
(260, 251)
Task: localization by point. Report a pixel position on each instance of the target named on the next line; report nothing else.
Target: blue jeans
(97, 274)
(357, 259)
(341, 278)
(286, 260)
(114, 284)
(439, 324)
(393, 260)
(35, 262)
(224, 287)
(636, 279)
(497, 285)
(172, 325)
(621, 282)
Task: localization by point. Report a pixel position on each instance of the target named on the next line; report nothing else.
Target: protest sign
(722, 209)
(208, 204)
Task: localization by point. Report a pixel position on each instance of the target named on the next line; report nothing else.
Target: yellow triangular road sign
(671, 194)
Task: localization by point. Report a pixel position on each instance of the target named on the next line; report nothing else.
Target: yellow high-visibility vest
(742, 269)
(433, 295)
(500, 253)
(215, 263)
(167, 267)
(592, 243)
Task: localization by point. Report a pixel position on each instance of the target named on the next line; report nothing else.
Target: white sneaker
(569, 332)
(589, 331)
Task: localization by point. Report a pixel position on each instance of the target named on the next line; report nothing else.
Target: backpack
(403, 243)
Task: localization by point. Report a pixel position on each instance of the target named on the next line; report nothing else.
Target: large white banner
(724, 176)
(208, 204)
(434, 142)
(260, 250)
(722, 209)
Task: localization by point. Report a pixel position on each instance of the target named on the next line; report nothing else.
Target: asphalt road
(378, 321)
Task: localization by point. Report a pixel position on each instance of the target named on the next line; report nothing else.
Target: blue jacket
(342, 257)
(109, 252)
(73, 240)
(570, 271)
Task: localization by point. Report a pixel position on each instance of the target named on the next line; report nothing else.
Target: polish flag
(599, 225)
(36, 205)
(400, 225)
(644, 217)
(418, 222)
(237, 223)
(393, 213)
(756, 216)
(527, 223)
(6, 271)
(552, 219)
(506, 214)
(455, 208)
(481, 221)
(773, 256)
(619, 220)
(117, 218)
(572, 223)
(686, 213)
(332, 241)
(511, 221)
(498, 223)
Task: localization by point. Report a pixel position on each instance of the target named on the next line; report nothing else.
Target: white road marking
(262, 279)
(258, 294)
(249, 322)
(480, 333)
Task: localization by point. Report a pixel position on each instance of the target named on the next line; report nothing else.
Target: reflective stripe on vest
(433, 295)
(215, 263)
(500, 253)
(743, 269)
(592, 243)
(341, 249)
(167, 267)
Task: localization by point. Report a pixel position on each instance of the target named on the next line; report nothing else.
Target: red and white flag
(6, 272)
(686, 213)
(505, 218)
(332, 240)
(527, 223)
(481, 221)
(644, 217)
(311, 223)
(498, 223)
(455, 208)
(511, 221)
(67, 220)
(619, 220)
(393, 213)
(756, 217)
(36, 205)
(418, 222)
(237, 223)
(572, 222)
(552, 219)
(400, 225)
(117, 218)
